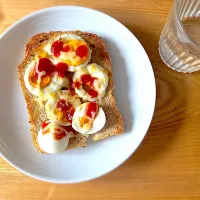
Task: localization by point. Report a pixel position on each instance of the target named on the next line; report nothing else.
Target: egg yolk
(41, 53)
(83, 120)
(45, 80)
(64, 111)
(90, 114)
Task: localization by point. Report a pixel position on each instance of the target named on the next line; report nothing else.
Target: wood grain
(167, 164)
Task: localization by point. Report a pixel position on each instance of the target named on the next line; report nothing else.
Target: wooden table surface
(167, 164)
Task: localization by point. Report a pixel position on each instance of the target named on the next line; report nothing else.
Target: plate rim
(78, 180)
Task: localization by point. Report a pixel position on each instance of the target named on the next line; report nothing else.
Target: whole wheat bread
(114, 122)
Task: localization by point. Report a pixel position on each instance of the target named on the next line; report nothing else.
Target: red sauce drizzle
(92, 81)
(88, 80)
(67, 109)
(82, 51)
(56, 48)
(61, 68)
(85, 78)
(45, 124)
(76, 84)
(66, 48)
(63, 105)
(93, 107)
(93, 93)
(59, 136)
(45, 65)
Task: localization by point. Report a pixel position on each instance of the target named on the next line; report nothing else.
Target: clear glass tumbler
(179, 44)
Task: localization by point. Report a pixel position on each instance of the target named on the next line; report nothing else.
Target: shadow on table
(169, 111)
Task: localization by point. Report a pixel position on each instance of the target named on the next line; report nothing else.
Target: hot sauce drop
(61, 68)
(56, 48)
(88, 80)
(82, 51)
(45, 124)
(66, 48)
(59, 136)
(66, 108)
(93, 107)
(93, 93)
(76, 84)
(45, 64)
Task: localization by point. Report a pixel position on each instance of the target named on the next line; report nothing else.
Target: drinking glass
(179, 47)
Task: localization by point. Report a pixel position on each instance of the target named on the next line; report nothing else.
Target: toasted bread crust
(114, 122)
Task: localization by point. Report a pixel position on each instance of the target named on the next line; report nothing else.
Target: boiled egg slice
(88, 118)
(53, 138)
(70, 49)
(42, 82)
(61, 105)
(90, 82)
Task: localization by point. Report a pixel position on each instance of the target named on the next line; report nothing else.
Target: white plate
(134, 92)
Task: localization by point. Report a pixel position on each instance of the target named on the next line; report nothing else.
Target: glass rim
(177, 3)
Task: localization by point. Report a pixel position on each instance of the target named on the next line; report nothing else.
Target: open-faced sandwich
(66, 78)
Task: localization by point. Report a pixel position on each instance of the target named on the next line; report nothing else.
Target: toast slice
(114, 122)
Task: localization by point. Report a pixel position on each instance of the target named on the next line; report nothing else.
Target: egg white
(97, 124)
(47, 142)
